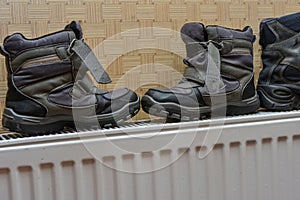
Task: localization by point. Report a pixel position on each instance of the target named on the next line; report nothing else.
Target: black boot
(279, 80)
(48, 83)
(219, 75)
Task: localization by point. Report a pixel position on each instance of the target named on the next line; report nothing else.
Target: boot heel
(276, 97)
(246, 106)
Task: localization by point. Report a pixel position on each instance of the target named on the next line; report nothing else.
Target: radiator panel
(255, 157)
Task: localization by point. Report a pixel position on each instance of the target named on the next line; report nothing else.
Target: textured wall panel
(102, 19)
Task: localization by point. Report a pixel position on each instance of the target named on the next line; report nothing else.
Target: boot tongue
(76, 28)
(193, 32)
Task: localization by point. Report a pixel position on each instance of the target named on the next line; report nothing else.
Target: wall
(105, 18)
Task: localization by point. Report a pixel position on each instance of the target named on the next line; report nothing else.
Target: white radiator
(256, 157)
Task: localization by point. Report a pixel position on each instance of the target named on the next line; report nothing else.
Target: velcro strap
(204, 66)
(196, 61)
(88, 58)
(194, 48)
(213, 80)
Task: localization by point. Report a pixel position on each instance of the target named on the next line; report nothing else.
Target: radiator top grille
(11, 138)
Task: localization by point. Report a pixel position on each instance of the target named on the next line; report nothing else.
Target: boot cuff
(193, 32)
(218, 33)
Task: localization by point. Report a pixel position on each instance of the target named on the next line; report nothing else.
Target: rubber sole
(42, 125)
(178, 112)
(278, 98)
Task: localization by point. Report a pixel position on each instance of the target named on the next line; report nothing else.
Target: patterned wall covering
(151, 61)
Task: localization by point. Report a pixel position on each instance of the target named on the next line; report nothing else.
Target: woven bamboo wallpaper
(103, 19)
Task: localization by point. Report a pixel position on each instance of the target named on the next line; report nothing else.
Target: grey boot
(279, 80)
(219, 75)
(48, 85)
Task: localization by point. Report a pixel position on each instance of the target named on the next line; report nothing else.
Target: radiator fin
(5, 184)
(25, 183)
(68, 181)
(47, 177)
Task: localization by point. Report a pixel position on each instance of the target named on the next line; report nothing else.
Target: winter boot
(279, 80)
(219, 75)
(48, 82)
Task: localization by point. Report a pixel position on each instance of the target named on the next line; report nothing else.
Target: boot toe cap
(117, 100)
(179, 96)
(123, 94)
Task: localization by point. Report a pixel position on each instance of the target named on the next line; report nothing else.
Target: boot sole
(183, 113)
(42, 125)
(278, 98)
